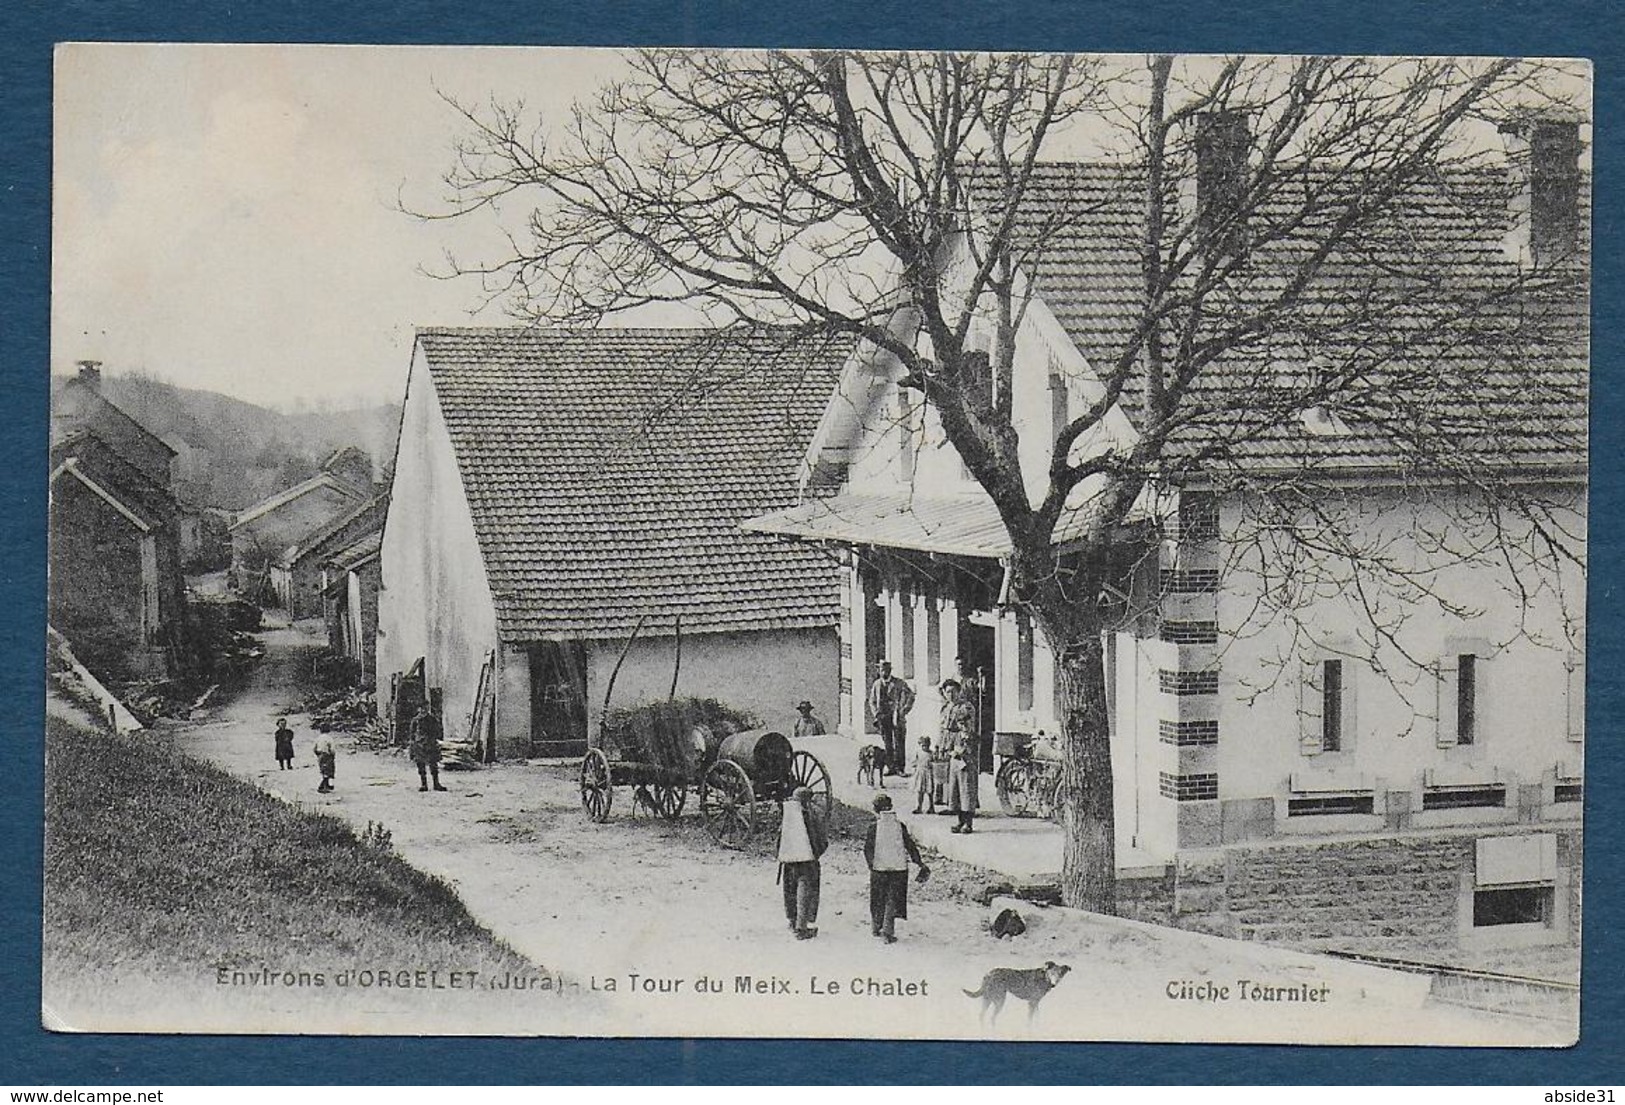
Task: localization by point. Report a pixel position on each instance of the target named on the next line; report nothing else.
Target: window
(1516, 905)
(1326, 704)
(1463, 797)
(1514, 880)
(1024, 661)
(1313, 805)
(1462, 684)
(1331, 711)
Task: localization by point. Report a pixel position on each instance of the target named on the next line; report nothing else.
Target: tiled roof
(282, 498)
(1488, 399)
(608, 472)
(95, 458)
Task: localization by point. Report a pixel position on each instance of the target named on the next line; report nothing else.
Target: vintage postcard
(814, 544)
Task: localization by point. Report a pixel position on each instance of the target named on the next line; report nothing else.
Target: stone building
(116, 588)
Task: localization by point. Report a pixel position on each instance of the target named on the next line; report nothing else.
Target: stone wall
(1398, 895)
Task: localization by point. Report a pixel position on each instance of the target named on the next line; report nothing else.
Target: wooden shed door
(558, 699)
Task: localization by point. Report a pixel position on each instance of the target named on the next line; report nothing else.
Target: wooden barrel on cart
(764, 754)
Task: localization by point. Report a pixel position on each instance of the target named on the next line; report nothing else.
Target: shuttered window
(1326, 704)
(1462, 681)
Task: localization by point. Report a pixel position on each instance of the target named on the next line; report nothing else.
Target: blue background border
(1575, 28)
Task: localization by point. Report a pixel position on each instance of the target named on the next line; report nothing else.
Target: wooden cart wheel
(728, 804)
(807, 771)
(669, 799)
(597, 786)
(1015, 785)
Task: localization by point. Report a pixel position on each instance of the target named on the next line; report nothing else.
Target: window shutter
(1445, 685)
(1577, 696)
(1310, 733)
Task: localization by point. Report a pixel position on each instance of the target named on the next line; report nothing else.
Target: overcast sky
(225, 216)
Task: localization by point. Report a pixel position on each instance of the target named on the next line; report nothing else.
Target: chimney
(90, 374)
(1545, 205)
(1223, 139)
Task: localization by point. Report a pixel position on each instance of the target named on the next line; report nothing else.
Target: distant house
(265, 531)
(350, 598)
(79, 405)
(296, 575)
(350, 464)
(116, 589)
(554, 490)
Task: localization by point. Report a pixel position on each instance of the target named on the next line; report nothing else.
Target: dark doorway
(558, 699)
(410, 692)
(975, 667)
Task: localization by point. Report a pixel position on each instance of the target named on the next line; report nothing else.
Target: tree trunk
(1089, 863)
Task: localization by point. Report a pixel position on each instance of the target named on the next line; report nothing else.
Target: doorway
(974, 668)
(558, 699)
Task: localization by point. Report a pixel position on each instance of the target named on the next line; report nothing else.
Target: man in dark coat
(803, 838)
(425, 747)
(890, 700)
(887, 849)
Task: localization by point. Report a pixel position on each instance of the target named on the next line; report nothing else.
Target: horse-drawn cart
(663, 750)
(734, 775)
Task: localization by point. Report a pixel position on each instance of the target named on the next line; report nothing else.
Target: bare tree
(1262, 215)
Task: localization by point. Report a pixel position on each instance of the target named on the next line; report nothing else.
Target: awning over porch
(954, 525)
(964, 525)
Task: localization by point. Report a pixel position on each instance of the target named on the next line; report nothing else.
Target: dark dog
(1028, 985)
(1008, 924)
(871, 764)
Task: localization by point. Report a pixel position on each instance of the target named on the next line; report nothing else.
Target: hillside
(232, 453)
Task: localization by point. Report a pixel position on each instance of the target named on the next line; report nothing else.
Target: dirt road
(651, 915)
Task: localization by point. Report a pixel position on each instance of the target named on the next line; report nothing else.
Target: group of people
(888, 848)
(423, 748)
(958, 742)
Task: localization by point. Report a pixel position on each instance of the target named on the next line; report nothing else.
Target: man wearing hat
(890, 700)
(806, 724)
(887, 849)
(802, 839)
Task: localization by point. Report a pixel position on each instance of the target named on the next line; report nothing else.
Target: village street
(643, 909)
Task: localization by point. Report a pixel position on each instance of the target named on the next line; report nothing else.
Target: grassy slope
(160, 869)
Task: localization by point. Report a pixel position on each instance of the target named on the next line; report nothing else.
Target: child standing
(925, 791)
(284, 745)
(327, 760)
